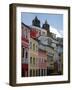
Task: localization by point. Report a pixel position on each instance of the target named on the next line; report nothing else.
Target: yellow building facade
(33, 57)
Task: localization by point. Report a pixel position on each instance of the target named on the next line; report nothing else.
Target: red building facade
(25, 49)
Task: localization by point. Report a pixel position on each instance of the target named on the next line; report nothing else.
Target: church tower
(46, 26)
(36, 22)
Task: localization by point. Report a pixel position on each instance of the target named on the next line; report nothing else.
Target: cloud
(55, 31)
(61, 32)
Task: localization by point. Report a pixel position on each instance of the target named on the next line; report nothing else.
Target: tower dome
(36, 22)
(46, 26)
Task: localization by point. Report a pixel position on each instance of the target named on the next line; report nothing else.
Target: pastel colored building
(46, 44)
(60, 55)
(40, 31)
(42, 61)
(33, 54)
(25, 41)
(42, 52)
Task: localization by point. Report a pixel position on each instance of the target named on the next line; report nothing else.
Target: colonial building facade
(33, 53)
(25, 41)
(42, 51)
(60, 55)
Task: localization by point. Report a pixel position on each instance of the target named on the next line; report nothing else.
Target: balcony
(25, 39)
(42, 47)
(24, 61)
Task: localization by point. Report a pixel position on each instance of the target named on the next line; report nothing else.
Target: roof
(38, 28)
(50, 33)
(26, 25)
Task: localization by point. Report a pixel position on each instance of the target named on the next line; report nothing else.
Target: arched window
(34, 47)
(30, 72)
(34, 60)
(30, 60)
(23, 52)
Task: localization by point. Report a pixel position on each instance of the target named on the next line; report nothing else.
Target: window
(51, 64)
(30, 45)
(34, 47)
(49, 41)
(23, 73)
(34, 60)
(44, 72)
(26, 54)
(43, 33)
(30, 60)
(39, 60)
(22, 52)
(59, 54)
(36, 72)
(50, 58)
(39, 33)
(39, 72)
(45, 60)
(42, 60)
(31, 72)
(26, 34)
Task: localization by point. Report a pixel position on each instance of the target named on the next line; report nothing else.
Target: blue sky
(55, 20)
